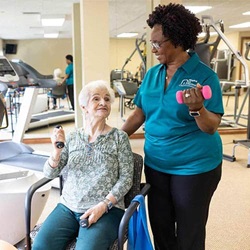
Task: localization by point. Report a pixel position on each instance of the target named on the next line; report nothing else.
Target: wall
(43, 54)
(47, 54)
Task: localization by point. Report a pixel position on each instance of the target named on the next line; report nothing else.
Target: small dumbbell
(205, 91)
(59, 144)
(84, 222)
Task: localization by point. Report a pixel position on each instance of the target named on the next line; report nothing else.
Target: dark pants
(178, 208)
(62, 226)
(71, 95)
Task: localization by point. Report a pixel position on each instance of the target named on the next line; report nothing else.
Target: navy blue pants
(178, 208)
(71, 95)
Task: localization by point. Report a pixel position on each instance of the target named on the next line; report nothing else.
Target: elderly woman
(183, 150)
(99, 164)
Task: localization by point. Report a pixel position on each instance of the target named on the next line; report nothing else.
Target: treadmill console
(7, 72)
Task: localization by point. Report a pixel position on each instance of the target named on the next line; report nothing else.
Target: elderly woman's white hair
(86, 91)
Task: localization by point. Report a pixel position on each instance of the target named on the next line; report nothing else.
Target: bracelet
(105, 202)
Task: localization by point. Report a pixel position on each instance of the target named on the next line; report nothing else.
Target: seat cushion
(10, 149)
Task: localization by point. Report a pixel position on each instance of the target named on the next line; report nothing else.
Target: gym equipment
(126, 90)
(14, 183)
(7, 72)
(59, 144)
(247, 51)
(205, 49)
(3, 88)
(33, 76)
(245, 83)
(138, 42)
(13, 187)
(3, 113)
(244, 143)
(19, 74)
(205, 91)
(84, 222)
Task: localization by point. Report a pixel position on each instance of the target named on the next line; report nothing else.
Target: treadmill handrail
(33, 71)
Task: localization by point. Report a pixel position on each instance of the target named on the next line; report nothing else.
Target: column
(95, 40)
(90, 46)
(77, 55)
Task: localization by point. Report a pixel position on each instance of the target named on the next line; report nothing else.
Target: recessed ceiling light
(127, 35)
(240, 25)
(51, 35)
(31, 13)
(49, 21)
(246, 13)
(198, 9)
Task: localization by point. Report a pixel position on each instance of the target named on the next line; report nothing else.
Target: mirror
(3, 113)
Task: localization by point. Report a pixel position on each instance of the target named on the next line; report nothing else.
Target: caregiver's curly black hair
(178, 24)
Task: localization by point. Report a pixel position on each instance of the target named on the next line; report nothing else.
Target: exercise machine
(127, 87)
(245, 143)
(18, 74)
(14, 184)
(245, 83)
(138, 43)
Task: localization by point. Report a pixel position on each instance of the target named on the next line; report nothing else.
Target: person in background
(57, 76)
(99, 164)
(69, 79)
(183, 150)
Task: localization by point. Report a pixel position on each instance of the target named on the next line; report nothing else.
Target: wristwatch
(196, 113)
(109, 204)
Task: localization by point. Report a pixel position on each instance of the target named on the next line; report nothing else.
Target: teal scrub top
(174, 143)
(69, 71)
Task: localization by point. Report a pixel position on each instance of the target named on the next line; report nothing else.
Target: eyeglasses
(157, 45)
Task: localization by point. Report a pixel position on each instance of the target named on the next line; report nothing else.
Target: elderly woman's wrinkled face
(99, 104)
(162, 46)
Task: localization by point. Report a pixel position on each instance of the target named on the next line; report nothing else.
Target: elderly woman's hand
(193, 98)
(58, 135)
(95, 213)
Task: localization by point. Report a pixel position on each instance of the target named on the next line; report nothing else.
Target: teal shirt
(174, 143)
(69, 71)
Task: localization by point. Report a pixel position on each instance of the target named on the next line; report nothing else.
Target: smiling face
(165, 52)
(99, 104)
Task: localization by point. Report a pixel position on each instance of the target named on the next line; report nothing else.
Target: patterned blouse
(93, 170)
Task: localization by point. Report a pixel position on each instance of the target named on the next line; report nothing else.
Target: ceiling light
(127, 35)
(51, 35)
(198, 9)
(240, 25)
(50, 21)
(246, 13)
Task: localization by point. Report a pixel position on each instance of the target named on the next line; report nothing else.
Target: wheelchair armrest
(128, 214)
(28, 200)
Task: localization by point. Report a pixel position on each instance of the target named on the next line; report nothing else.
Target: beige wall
(43, 54)
(47, 54)
(120, 50)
